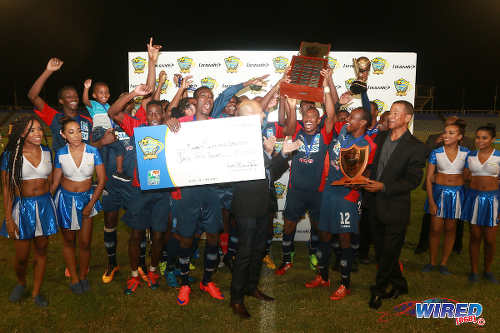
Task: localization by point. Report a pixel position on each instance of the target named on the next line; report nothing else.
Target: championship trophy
(306, 82)
(353, 162)
(362, 69)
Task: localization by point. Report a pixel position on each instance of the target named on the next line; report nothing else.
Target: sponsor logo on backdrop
(169, 65)
(232, 64)
(209, 64)
(401, 86)
(208, 82)
(277, 229)
(387, 87)
(280, 64)
(153, 177)
(139, 63)
(185, 64)
(333, 63)
(404, 66)
(347, 66)
(380, 106)
(257, 65)
(150, 147)
(378, 65)
(280, 190)
(348, 83)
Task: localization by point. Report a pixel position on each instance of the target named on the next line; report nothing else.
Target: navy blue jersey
(129, 159)
(52, 117)
(306, 171)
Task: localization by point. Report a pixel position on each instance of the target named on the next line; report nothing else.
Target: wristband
(326, 90)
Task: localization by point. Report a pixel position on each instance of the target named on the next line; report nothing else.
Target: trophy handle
(356, 68)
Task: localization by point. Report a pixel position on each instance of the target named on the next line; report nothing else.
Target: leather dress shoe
(375, 301)
(240, 310)
(394, 293)
(261, 296)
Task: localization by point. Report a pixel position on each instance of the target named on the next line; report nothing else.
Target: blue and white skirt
(481, 208)
(449, 201)
(34, 217)
(70, 205)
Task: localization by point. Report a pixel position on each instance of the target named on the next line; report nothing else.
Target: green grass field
(297, 309)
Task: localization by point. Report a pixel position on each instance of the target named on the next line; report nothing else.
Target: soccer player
(76, 200)
(305, 184)
(340, 206)
(30, 216)
(481, 202)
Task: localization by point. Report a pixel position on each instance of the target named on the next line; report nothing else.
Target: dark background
(456, 41)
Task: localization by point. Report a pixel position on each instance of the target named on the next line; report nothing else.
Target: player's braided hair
(15, 150)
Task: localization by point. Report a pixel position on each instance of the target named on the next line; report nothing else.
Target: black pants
(365, 238)
(389, 240)
(252, 236)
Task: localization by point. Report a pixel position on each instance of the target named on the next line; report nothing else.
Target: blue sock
(323, 253)
(355, 245)
(313, 242)
(287, 247)
(110, 245)
(232, 245)
(184, 260)
(142, 256)
(210, 263)
(173, 248)
(345, 267)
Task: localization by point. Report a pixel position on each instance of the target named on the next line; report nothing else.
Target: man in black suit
(251, 206)
(395, 172)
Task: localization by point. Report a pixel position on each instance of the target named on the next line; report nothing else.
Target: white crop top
(42, 171)
(490, 167)
(91, 158)
(443, 164)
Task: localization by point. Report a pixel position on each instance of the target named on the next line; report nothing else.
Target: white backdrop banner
(392, 77)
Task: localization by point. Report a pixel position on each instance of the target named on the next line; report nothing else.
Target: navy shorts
(116, 195)
(340, 210)
(148, 210)
(116, 147)
(299, 202)
(199, 210)
(225, 196)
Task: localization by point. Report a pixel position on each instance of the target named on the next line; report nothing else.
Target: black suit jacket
(402, 174)
(254, 198)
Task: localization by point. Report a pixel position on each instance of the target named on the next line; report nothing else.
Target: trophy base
(360, 180)
(357, 87)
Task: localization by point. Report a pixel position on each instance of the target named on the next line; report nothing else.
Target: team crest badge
(185, 64)
(333, 63)
(232, 64)
(401, 86)
(150, 147)
(379, 64)
(139, 63)
(280, 64)
(208, 82)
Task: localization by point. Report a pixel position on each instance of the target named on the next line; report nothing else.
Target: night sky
(457, 42)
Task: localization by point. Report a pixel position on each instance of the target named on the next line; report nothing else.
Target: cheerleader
(446, 194)
(481, 202)
(76, 201)
(29, 210)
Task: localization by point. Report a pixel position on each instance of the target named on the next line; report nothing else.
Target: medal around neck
(353, 162)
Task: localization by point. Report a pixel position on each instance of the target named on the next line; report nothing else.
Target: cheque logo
(333, 63)
(153, 177)
(185, 64)
(401, 86)
(150, 147)
(379, 64)
(280, 190)
(380, 106)
(164, 87)
(280, 64)
(208, 82)
(232, 64)
(348, 83)
(139, 63)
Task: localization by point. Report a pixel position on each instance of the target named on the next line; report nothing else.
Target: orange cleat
(318, 282)
(183, 296)
(132, 284)
(340, 293)
(143, 275)
(283, 268)
(109, 275)
(212, 290)
(153, 280)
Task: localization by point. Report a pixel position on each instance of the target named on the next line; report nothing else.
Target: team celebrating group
(94, 168)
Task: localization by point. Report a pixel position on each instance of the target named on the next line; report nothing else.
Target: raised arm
(269, 96)
(291, 119)
(333, 89)
(185, 83)
(53, 65)
(153, 54)
(115, 111)
(331, 117)
(282, 111)
(85, 96)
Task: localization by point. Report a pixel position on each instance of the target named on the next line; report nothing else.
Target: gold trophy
(362, 69)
